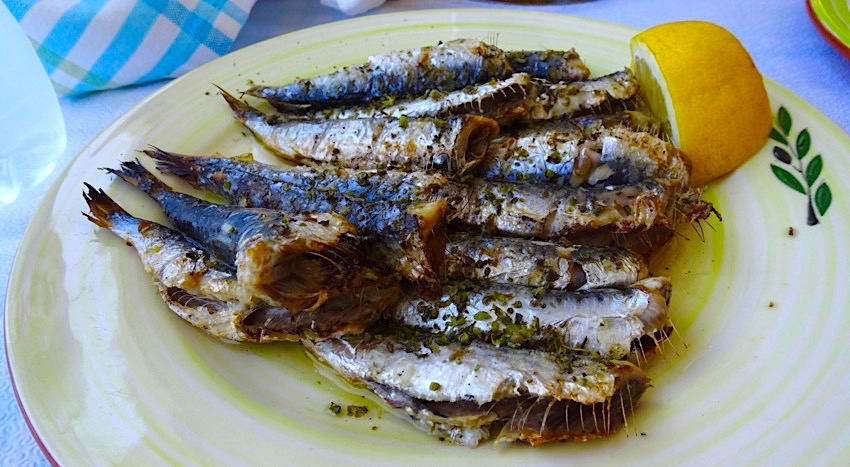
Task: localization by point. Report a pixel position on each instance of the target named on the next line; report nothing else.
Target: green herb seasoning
(356, 411)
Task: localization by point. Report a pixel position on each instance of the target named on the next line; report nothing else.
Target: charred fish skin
(562, 100)
(531, 263)
(452, 145)
(482, 384)
(194, 287)
(397, 209)
(550, 213)
(582, 152)
(444, 67)
(551, 65)
(286, 260)
(609, 322)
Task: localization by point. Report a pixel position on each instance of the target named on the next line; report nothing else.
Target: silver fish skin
(399, 211)
(286, 260)
(460, 391)
(562, 100)
(502, 100)
(453, 145)
(609, 322)
(199, 290)
(549, 212)
(551, 65)
(583, 152)
(530, 263)
(445, 67)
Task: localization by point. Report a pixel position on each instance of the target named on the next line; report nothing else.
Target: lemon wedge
(699, 80)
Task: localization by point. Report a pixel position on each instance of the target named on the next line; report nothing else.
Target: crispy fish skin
(397, 209)
(549, 213)
(460, 391)
(582, 152)
(606, 321)
(286, 260)
(199, 290)
(562, 100)
(551, 65)
(518, 261)
(453, 145)
(444, 67)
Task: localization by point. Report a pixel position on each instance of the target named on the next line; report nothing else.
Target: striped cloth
(88, 45)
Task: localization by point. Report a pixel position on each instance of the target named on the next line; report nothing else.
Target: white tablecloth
(784, 43)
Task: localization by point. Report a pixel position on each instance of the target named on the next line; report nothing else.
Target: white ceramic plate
(106, 374)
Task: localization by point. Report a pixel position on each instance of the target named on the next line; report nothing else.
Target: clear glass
(31, 125)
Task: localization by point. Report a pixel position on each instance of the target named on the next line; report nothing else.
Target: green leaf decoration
(804, 142)
(789, 180)
(778, 137)
(791, 152)
(781, 155)
(813, 170)
(823, 198)
(784, 120)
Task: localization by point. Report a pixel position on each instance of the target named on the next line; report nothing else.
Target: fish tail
(171, 163)
(240, 108)
(137, 175)
(102, 209)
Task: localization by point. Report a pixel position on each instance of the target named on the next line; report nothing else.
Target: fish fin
(170, 163)
(189, 300)
(102, 208)
(241, 109)
(137, 175)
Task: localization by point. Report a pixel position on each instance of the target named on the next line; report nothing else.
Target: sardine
(409, 206)
(445, 67)
(562, 100)
(453, 145)
(549, 212)
(530, 263)
(398, 210)
(198, 289)
(610, 322)
(461, 392)
(518, 98)
(504, 101)
(582, 152)
(286, 260)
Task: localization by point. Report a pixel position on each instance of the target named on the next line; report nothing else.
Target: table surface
(783, 42)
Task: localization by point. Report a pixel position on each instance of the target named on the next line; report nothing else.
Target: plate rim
(31, 235)
(825, 30)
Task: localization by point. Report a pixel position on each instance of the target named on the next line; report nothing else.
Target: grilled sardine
(460, 392)
(198, 289)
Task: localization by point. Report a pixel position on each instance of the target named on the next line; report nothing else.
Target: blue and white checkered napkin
(89, 45)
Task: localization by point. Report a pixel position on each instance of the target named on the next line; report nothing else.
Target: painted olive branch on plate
(794, 158)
